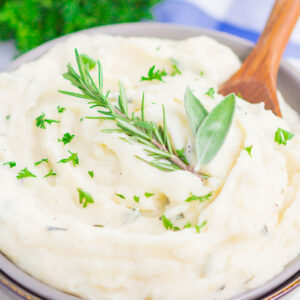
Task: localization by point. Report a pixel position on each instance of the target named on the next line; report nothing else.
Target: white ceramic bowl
(288, 83)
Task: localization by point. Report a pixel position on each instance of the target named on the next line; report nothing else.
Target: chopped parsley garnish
(282, 136)
(25, 173)
(84, 198)
(120, 196)
(248, 150)
(41, 161)
(73, 158)
(41, 121)
(148, 195)
(181, 155)
(11, 164)
(91, 173)
(7, 117)
(81, 119)
(51, 173)
(60, 109)
(198, 198)
(199, 227)
(187, 225)
(168, 224)
(152, 74)
(201, 73)
(136, 198)
(67, 138)
(88, 61)
(175, 69)
(210, 93)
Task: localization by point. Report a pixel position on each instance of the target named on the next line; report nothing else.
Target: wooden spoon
(256, 80)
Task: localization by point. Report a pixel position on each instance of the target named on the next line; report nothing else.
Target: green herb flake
(7, 117)
(210, 93)
(41, 161)
(72, 158)
(199, 227)
(175, 69)
(67, 138)
(51, 173)
(201, 73)
(25, 173)
(11, 164)
(249, 150)
(167, 223)
(84, 198)
(187, 225)
(136, 198)
(203, 198)
(282, 136)
(91, 64)
(154, 75)
(81, 119)
(91, 173)
(120, 196)
(60, 109)
(148, 195)
(41, 121)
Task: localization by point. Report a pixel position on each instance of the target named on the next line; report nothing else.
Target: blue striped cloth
(245, 18)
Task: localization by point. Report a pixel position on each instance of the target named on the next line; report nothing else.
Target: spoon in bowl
(256, 80)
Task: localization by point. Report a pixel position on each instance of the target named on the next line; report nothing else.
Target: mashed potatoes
(118, 246)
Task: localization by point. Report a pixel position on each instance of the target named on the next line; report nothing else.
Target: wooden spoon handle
(268, 51)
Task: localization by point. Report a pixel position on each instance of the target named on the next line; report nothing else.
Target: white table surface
(7, 53)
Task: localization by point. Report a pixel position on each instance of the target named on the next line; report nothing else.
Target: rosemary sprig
(155, 138)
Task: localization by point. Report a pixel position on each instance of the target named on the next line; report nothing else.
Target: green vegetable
(249, 150)
(7, 117)
(195, 111)
(25, 173)
(41, 161)
(168, 224)
(91, 64)
(152, 74)
(175, 69)
(33, 22)
(213, 130)
(199, 227)
(91, 173)
(187, 225)
(67, 138)
(148, 195)
(73, 158)
(282, 136)
(41, 120)
(84, 198)
(120, 196)
(60, 109)
(51, 173)
(136, 198)
(198, 198)
(210, 93)
(10, 163)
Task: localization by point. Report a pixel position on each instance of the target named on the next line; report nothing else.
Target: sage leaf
(195, 111)
(213, 130)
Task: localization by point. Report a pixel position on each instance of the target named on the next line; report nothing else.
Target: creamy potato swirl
(253, 223)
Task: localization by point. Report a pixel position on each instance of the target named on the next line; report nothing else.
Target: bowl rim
(150, 29)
